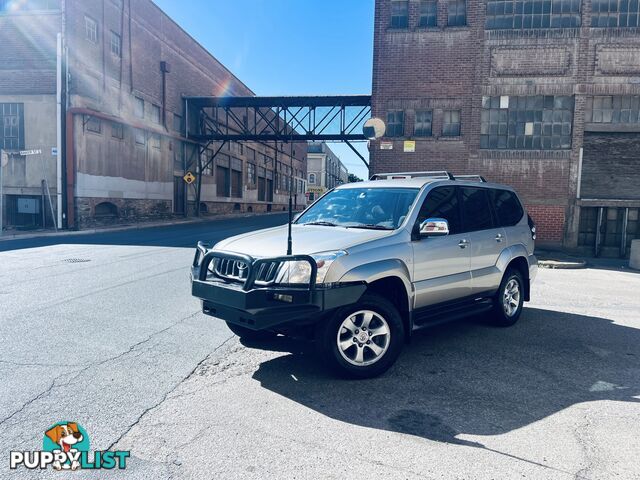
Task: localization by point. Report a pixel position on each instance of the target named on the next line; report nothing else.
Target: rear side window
(507, 207)
(476, 209)
(442, 202)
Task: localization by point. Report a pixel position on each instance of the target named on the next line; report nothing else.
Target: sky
(288, 47)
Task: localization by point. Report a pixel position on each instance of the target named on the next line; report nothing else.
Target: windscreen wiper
(325, 224)
(370, 226)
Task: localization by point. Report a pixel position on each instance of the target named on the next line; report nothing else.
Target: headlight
(300, 272)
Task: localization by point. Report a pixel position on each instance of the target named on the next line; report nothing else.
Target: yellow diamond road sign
(189, 178)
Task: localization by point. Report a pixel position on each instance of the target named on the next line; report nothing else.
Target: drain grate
(76, 260)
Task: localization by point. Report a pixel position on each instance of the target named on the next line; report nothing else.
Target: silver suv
(373, 262)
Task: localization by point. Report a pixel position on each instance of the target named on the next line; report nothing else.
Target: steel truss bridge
(271, 121)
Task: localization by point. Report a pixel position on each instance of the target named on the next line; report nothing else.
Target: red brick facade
(458, 68)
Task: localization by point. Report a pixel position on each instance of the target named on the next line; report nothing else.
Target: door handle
(463, 243)
(499, 238)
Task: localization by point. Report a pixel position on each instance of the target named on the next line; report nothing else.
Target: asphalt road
(102, 330)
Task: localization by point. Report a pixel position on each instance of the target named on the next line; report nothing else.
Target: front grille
(267, 273)
(235, 270)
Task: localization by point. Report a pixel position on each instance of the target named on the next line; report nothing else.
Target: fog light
(283, 298)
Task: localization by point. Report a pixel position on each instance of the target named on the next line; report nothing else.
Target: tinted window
(507, 207)
(476, 212)
(442, 203)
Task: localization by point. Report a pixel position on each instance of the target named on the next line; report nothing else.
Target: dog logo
(68, 439)
(66, 447)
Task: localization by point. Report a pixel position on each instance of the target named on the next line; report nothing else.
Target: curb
(562, 264)
(140, 226)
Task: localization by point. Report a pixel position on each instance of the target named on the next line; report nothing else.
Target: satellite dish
(374, 128)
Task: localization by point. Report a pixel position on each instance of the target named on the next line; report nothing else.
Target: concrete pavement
(102, 330)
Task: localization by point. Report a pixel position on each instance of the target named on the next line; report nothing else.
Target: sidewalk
(118, 228)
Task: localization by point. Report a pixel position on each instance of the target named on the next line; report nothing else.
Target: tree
(354, 178)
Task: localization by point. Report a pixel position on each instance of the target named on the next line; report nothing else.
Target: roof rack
(477, 178)
(443, 174)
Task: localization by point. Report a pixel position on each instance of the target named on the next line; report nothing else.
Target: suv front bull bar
(262, 305)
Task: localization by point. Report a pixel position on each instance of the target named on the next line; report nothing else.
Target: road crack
(166, 395)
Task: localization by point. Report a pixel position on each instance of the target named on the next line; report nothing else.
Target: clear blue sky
(288, 47)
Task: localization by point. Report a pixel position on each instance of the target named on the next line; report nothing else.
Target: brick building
(543, 95)
(124, 67)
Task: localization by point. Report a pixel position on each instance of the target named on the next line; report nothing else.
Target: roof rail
(443, 174)
(477, 178)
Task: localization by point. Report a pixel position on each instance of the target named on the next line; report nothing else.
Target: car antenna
(289, 239)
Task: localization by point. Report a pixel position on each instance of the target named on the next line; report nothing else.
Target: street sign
(386, 145)
(189, 178)
(30, 152)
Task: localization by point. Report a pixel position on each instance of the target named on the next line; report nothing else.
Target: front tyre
(509, 299)
(362, 340)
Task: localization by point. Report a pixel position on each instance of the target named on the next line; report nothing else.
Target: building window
(422, 126)
(91, 29)
(11, 126)
(94, 124)
(525, 14)
(428, 13)
(138, 106)
(312, 179)
(399, 13)
(615, 109)
(155, 114)
(236, 178)
(154, 140)
(223, 178)
(395, 123)
(457, 13)
(615, 13)
(251, 174)
(451, 123)
(140, 136)
(177, 123)
(526, 123)
(117, 130)
(116, 44)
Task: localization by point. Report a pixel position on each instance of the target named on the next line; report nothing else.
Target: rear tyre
(509, 299)
(362, 340)
(248, 334)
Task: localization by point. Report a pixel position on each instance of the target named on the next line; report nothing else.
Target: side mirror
(434, 227)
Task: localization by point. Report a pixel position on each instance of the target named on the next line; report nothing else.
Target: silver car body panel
(432, 270)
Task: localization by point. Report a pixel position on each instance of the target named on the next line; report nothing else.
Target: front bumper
(260, 306)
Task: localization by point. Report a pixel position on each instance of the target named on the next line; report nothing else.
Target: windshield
(373, 208)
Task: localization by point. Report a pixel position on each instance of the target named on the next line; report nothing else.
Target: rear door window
(442, 202)
(476, 209)
(507, 207)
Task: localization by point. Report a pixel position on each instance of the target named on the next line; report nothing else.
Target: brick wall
(549, 222)
(443, 67)
(28, 54)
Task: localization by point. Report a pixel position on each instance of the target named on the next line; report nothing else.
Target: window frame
(460, 18)
(447, 134)
(138, 107)
(117, 130)
(91, 29)
(396, 20)
(393, 132)
(421, 131)
(422, 23)
(456, 191)
(115, 44)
